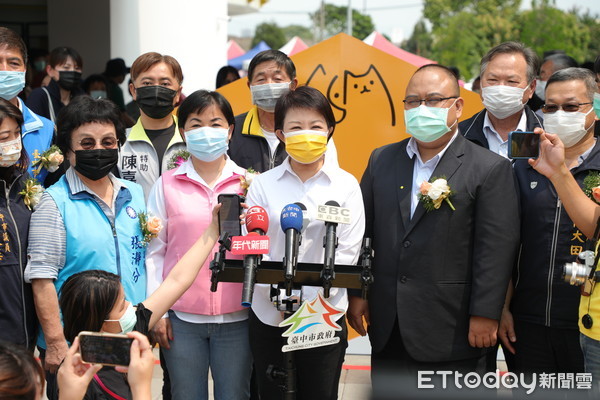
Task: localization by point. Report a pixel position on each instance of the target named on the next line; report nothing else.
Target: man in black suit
(441, 275)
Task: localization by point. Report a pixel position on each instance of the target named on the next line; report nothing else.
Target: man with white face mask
(508, 74)
(541, 325)
(254, 144)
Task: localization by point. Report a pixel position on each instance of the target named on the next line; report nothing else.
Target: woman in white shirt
(305, 122)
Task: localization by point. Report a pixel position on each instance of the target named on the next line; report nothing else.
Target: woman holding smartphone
(205, 329)
(305, 122)
(95, 301)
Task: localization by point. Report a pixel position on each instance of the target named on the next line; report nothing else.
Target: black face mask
(95, 164)
(155, 101)
(69, 80)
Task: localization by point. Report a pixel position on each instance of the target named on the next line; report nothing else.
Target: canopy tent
(234, 50)
(378, 41)
(295, 45)
(238, 62)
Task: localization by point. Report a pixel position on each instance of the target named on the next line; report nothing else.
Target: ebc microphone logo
(334, 214)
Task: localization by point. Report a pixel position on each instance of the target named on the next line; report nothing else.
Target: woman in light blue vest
(88, 220)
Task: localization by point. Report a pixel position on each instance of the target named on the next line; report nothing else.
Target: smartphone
(105, 348)
(229, 214)
(523, 145)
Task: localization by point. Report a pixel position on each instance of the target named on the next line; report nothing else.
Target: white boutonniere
(32, 193)
(178, 158)
(246, 180)
(50, 159)
(433, 193)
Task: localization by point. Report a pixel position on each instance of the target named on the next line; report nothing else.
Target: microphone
(330, 243)
(291, 224)
(305, 219)
(257, 223)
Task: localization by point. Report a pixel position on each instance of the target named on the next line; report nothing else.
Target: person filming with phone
(540, 325)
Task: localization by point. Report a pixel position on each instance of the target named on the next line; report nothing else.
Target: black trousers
(541, 348)
(395, 374)
(51, 381)
(318, 370)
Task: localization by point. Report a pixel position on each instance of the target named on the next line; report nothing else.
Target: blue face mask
(11, 83)
(427, 124)
(597, 104)
(207, 143)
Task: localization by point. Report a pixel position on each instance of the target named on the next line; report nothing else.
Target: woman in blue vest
(17, 313)
(87, 220)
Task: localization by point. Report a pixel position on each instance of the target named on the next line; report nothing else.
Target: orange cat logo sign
(365, 87)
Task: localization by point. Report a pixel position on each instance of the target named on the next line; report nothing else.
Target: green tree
(592, 24)
(271, 33)
(421, 41)
(335, 21)
(545, 27)
(301, 31)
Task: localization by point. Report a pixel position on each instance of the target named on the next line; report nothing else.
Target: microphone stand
(287, 373)
(366, 259)
(217, 265)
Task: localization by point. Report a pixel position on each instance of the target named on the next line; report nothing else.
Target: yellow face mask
(306, 146)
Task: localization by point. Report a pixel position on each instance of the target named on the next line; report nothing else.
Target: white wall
(192, 31)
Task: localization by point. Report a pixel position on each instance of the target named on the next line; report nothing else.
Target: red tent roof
(234, 50)
(378, 41)
(295, 45)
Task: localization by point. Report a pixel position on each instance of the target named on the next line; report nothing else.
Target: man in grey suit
(440, 275)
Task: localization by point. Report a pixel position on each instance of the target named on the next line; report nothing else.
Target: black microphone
(330, 242)
(291, 224)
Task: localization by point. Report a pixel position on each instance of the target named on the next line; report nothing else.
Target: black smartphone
(229, 214)
(105, 348)
(523, 145)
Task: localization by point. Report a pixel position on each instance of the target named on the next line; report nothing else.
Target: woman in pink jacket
(203, 329)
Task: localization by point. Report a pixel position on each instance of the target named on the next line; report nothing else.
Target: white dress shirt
(422, 170)
(495, 141)
(281, 186)
(157, 248)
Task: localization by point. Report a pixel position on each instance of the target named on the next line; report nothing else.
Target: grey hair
(533, 61)
(561, 61)
(579, 74)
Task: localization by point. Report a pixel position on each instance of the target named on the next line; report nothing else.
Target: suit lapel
(404, 184)
(447, 166)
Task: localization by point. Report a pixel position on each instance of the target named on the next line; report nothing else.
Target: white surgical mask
(540, 89)
(127, 321)
(502, 101)
(10, 152)
(569, 126)
(265, 96)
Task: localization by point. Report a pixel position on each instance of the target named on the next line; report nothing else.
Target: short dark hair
(304, 97)
(9, 110)
(86, 300)
(531, 58)
(21, 376)
(84, 110)
(223, 72)
(147, 60)
(576, 74)
(92, 79)
(59, 56)
(561, 61)
(280, 58)
(199, 101)
(12, 40)
(449, 72)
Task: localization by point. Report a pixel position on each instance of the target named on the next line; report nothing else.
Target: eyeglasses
(429, 102)
(90, 143)
(569, 107)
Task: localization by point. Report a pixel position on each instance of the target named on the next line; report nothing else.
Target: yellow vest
(591, 305)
